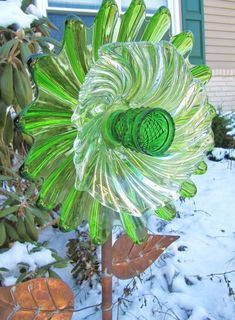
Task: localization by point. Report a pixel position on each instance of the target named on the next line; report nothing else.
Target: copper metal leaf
(130, 259)
(38, 299)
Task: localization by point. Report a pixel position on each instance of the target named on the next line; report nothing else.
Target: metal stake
(107, 279)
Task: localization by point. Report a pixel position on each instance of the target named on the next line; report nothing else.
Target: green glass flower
(141, 122)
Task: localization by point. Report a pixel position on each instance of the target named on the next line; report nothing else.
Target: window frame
(173, 5)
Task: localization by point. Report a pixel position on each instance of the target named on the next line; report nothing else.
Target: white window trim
(176, 13)
(173, 5)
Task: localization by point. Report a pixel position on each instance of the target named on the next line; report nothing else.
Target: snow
(220, 153)
(193, 279)
(32, 9)
(10, 13)
(180, 284)
(20, 253)
(231, 125)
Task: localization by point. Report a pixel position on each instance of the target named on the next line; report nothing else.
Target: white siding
(221, 90)
(220, 33)
(220, 51)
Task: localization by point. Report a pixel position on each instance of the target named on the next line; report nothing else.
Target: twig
(220, 273)
(214, 274)
(65, 310)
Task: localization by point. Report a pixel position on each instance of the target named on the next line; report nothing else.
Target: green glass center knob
(150, 131)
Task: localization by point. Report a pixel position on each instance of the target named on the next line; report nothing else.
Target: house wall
(219, 18)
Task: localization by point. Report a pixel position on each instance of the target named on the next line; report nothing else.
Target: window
(58, 10)
(151, 5)
(77, 4)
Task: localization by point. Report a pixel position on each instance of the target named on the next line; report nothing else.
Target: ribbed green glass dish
(141, 121)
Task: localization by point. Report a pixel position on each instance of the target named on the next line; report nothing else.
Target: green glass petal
(158, 25)
(202, 73)
(168, 212)
(188, 189)
(132, 21)
(75, 47)
(104, 25)
(48, 119)
(75, 208)
(45, 156)
(58, 183)
(100, 222)
(38, 120)
(183, 42)
(201, 168)
(135, 227)
(53, 74)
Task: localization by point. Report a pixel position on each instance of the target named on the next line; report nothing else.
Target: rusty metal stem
(107, 279)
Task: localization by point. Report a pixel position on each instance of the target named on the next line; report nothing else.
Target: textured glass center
(150, 131)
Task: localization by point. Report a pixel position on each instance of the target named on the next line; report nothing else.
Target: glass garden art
(120, 121)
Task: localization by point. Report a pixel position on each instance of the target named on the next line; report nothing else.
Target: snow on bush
(10, 13)
(22, 253)
(219, 154)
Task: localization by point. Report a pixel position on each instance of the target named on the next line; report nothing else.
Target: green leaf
(10, 171)
(6, 211)
(51, 25)
(30, 191)
(21, 277)
(45, 243)
(51, 40)
(4, 269)
(6, 47)
(53, 274)
(8, 130)
(60, 264)
(55, 255)
(25, 52)
(12, 217)
(25, 4)
(23, 264)
(45, 47)
(37, 212)
(40, 272)
(8, 202)
(44, 30)
(5, 178)
(11, 194)
(3, 114)
(43, 20)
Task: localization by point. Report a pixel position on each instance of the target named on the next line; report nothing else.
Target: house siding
(219, 16)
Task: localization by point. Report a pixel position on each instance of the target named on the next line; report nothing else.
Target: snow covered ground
(181, 284)
(194, 279)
